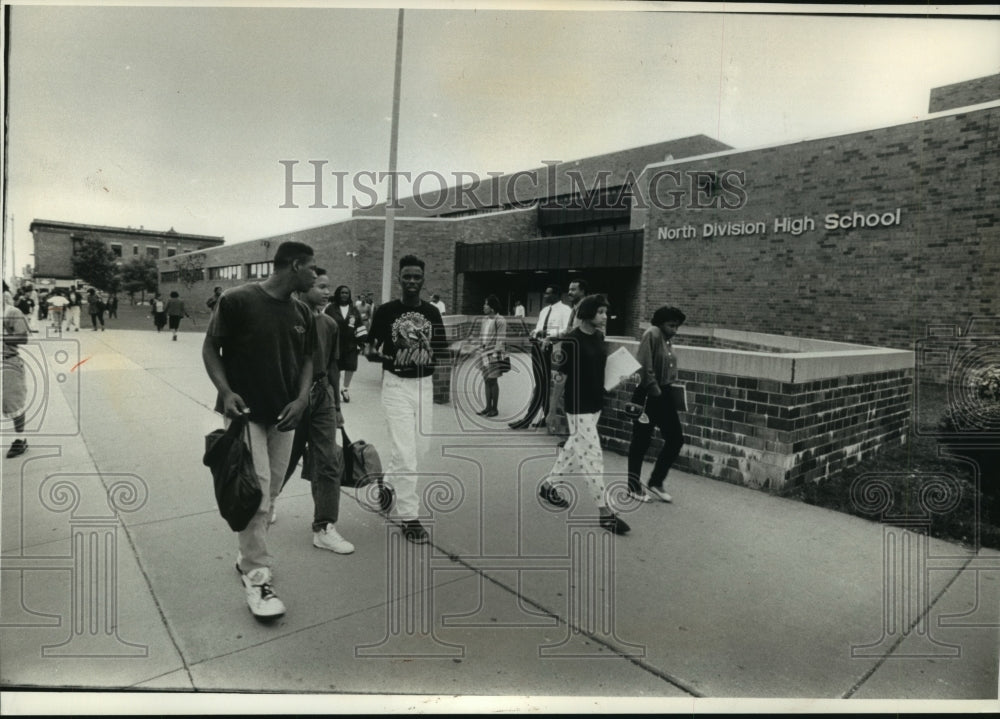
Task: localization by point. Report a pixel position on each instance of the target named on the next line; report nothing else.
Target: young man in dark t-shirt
(582, 358)
(316, 436)
(405, 336)
(258, 353)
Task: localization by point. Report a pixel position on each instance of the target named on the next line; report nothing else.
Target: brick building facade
(56, 242)
(864, 237)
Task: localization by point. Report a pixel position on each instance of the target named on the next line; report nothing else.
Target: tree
(139, 275)
(94, 263)
(190, 269)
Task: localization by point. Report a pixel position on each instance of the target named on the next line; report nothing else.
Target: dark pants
(316, 438)
(541, 369)
(95, 316)
(662, 414)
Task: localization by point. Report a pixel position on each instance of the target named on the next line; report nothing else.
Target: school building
(56, 243)
(865, 237)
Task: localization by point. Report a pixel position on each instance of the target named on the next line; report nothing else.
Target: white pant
(271, 450)
(409, 412)
(582, 454)
(74, 317)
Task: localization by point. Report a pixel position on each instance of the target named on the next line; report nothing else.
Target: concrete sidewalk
(118, 571)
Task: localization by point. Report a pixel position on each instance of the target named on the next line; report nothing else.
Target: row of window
(253, 271)
(153, 252)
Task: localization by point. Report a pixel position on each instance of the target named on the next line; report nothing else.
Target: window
(171, 252)
(116, 248)
(153, 252)
(169, 276)
(260, 270)
(135, 250)
(229, 272)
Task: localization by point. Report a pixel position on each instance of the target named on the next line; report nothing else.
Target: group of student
(275, 351)
(568, 363)
(62, 307)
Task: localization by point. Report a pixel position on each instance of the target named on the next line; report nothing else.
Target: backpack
(159, 306)
(362, 465)
(237, 489)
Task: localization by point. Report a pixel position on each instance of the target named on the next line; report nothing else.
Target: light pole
(390, 212)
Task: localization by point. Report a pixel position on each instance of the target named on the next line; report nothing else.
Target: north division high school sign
(850, 220)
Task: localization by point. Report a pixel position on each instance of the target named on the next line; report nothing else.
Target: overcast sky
(179, 117)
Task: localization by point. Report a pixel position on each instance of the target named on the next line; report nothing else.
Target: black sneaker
(551, 495)
(414, 532)
(614, 524)
(19, 447)
(385, 498)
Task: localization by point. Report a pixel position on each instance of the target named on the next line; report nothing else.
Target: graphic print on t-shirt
(411, 335)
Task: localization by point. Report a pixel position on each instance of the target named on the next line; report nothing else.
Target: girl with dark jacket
(352, 334)
(659, 371)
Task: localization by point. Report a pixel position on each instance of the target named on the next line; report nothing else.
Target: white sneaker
(329, 538)
(263, 602)
(660, 493)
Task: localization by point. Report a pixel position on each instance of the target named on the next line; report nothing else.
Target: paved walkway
(728, 592)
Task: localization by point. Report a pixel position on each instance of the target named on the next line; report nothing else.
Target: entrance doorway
(619, 284)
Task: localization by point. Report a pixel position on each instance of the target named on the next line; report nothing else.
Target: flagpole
(390, 212)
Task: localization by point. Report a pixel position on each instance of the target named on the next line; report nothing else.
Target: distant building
(56, 243)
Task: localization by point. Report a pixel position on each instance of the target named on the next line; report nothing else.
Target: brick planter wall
(767, 420)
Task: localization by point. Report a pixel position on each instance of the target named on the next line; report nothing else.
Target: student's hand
(338, 419)
(289, 417)
(233, 405)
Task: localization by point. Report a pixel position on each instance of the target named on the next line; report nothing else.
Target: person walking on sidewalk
(95, 306)
(492, 353)
(552, 321)
(258, 353)
(175, 310)
(159, 309)
(57, 309)
(577, 291)
(73, 309)
(14, 387)
(405, 336)
(582, 359)
(352, 329)
(316, 435)
(212, 301)
(113, 306)
(659, 370)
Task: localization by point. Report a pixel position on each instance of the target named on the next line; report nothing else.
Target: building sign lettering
(850, 220)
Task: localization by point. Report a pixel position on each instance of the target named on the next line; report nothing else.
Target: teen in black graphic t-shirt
(408, 337)
(404, 337)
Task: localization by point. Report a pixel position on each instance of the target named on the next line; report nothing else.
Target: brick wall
(879, 285)
(961, 94)
(767, 433)
(53, 244)
(53, 254)
(431, 240)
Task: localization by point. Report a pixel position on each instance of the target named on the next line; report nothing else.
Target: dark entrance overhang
(612, 249)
